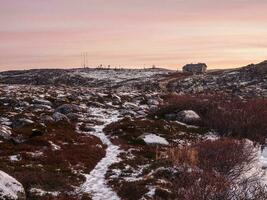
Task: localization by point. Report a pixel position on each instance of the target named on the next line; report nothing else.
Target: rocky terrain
(249, 81)
(133, 134)
(121, 79)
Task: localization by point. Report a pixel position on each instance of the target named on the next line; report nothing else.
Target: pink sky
(132, 33)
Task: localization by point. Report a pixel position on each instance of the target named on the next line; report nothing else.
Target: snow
(257, 169)
(151, 192)
(15, 158)
(154, 139)
(41, 192)
(263, 158)
(118, 75)
(95, 183)
(54, 146)
(10, 188)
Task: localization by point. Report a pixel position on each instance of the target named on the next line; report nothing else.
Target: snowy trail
(95, 181)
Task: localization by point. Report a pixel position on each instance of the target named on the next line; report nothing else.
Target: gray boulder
(188, 116)
(59, 117)
(68, 108)
(21, 122)
(10, 188)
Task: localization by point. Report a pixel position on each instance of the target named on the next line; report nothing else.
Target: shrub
(227, 115)
(229, 157)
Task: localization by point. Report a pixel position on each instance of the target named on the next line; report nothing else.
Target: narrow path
(95, 181)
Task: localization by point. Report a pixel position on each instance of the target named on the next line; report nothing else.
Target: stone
(10, 188)
(188, 116)
(68, 108)
(60, 117)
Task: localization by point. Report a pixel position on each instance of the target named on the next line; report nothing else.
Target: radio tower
(84, 59)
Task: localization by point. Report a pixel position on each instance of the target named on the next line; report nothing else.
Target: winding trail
(95, 183)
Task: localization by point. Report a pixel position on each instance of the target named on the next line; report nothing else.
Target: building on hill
(199, 68)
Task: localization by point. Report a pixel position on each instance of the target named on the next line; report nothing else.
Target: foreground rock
(10, 188)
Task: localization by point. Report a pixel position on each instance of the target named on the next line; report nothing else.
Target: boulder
(170, 116)
(47, 119)
(21, 122)
(153, 139)
(36, 133)
(10, 188)
(88, 128)
(188, 116)
(42, 102)
(5, 132)
(73, 117)
(59, 117)
(68, 108)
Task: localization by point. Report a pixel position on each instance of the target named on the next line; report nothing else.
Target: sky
(132, 33)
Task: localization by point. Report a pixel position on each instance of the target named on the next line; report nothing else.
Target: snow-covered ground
(119, 75)
(95, 181)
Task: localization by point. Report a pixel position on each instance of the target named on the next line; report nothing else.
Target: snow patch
(95, 183)
(154, 139)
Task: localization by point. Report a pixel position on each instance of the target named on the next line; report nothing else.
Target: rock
(150, 138)
(68, 108)
(21, 122)
(5, 132)
(115, 99)
(129, 105)
(42, 107)
(127, 112)
(47, 119)
(10, 188)
(36, 132)
(170, 116)
(152, 102)
(60, 117)
(88, 128)
(73, 117)
(188, 116)
(42, 102)
(153, 108)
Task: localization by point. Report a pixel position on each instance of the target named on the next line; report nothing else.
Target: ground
(133, 134)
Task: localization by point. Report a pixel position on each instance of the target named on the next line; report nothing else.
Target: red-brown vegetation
(228, 116)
